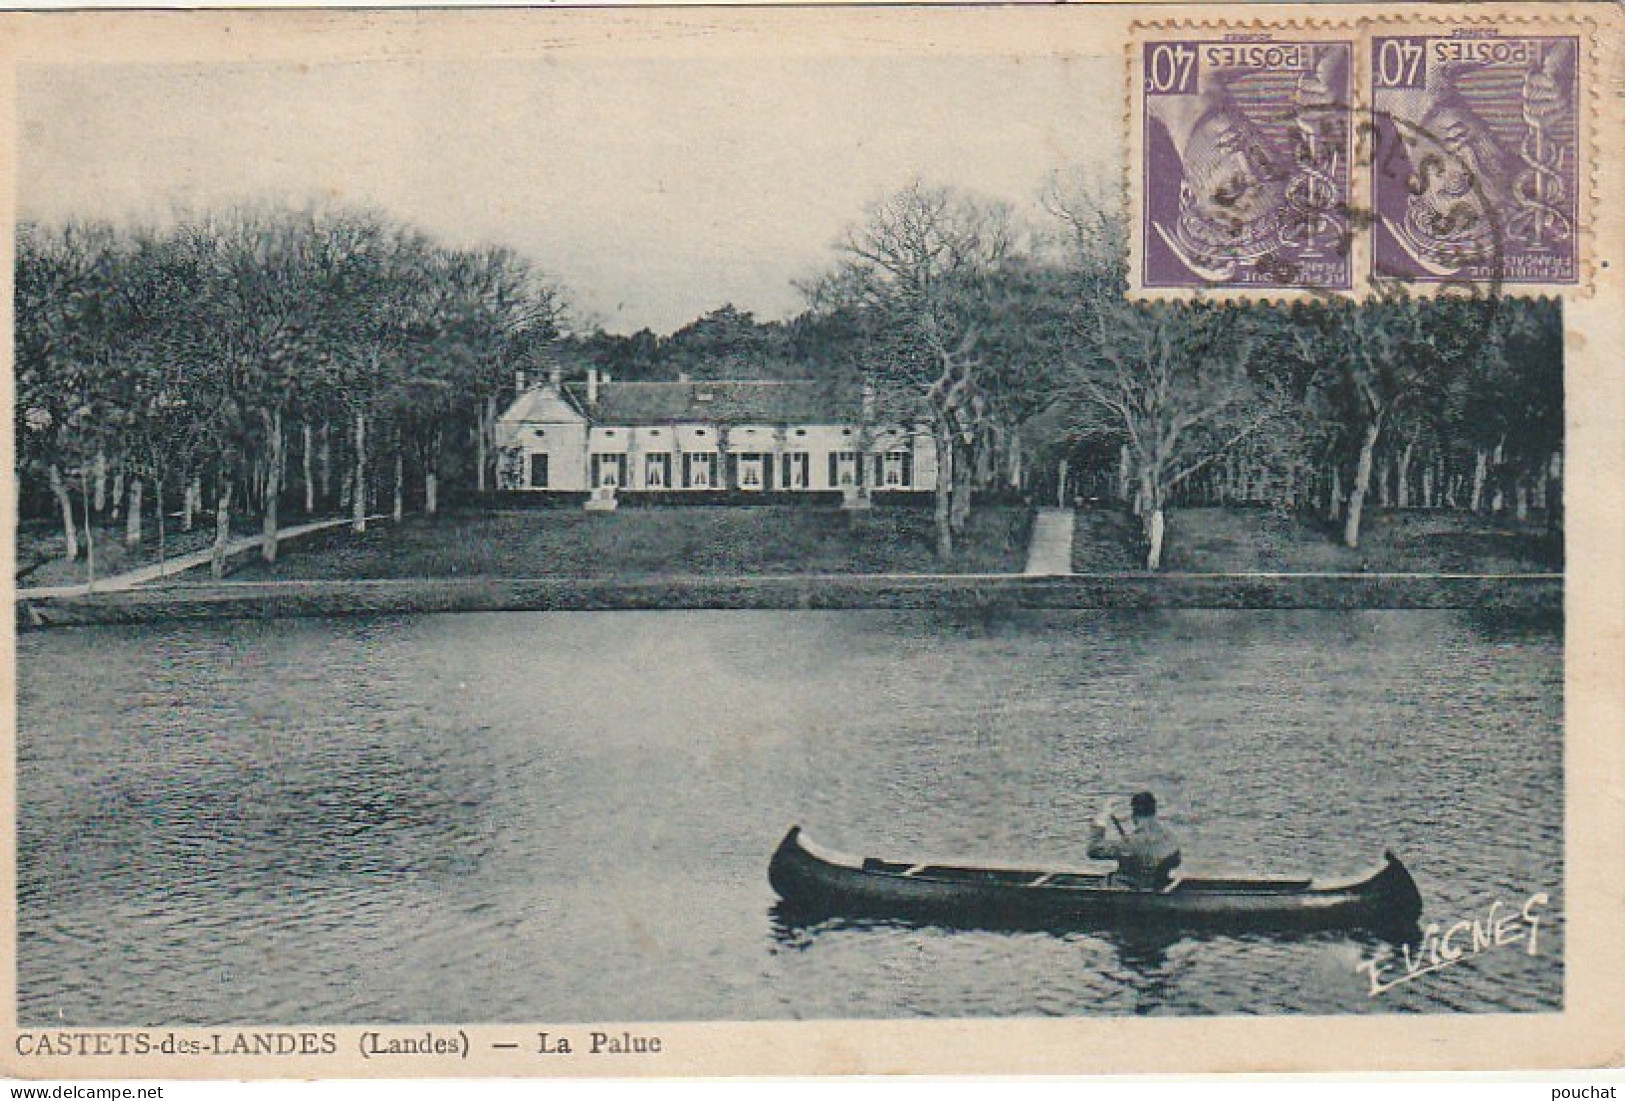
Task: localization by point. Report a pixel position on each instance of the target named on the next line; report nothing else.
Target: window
(607, 471)
(538, 471)
(795, 470)
(750, 471)
(699, 471)
(896, 474)
(843, 469)
(657, 472)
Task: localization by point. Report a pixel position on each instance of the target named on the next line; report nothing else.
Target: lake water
(568, 817)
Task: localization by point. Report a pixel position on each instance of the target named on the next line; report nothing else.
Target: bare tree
(1172, 380)
(918, 273)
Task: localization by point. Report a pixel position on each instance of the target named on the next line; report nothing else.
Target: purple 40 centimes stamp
(1245, 165)
(1476, 157)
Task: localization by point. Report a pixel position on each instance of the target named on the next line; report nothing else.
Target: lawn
(1250, 540)
(709, 541)
(41, 548)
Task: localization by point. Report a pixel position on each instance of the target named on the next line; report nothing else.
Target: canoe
(815, 881)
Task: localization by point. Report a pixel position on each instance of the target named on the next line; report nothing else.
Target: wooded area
(260, 360)
(279, 360)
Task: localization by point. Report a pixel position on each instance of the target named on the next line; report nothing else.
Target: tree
(1170, 384)
(1171, 379)
(1387, 357)
(918, 277)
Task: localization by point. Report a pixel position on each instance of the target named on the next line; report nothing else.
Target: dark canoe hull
(815, 882)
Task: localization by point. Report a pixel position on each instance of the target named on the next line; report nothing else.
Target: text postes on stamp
(1245, 162)
(1477, 172)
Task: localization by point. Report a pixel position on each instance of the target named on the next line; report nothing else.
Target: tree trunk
(132, 521)
(158, 516)
(482, 441)
(273, 485)
(70, 530)
(304, 458)
(101, 480)
(431, 476)
(358, 521)
(90, 529)
(1384, 479)
(964, 474)
(399, 503)
(1402, 492)
(1124, 472)
(222, 529)
(1554, 494)
(1334, 504)
(944, 494)
(1362, 482)
(192, 501)
(117, 498)
(327, 461)
(1154, 524)
(1498, 478)
(1481, 466)
(1520, 497)
(1427, 486)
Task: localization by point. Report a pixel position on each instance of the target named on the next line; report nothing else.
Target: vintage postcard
(814, 540)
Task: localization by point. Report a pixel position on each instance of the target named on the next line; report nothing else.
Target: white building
(688, 437)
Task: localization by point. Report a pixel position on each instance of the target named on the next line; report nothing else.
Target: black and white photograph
(579, 523)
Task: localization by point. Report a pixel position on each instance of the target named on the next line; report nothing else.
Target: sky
(653, 189)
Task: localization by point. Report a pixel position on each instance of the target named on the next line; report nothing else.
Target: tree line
(260, 359)
(1022, 343)
(336, 361)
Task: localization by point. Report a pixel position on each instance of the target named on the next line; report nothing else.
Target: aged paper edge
(1586, 1033)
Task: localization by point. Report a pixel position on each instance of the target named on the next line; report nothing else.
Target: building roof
(725, 402)
(542, 405)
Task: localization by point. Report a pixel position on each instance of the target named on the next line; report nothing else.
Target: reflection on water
(568, 817)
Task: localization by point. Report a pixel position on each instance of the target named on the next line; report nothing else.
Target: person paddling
(1146, 855)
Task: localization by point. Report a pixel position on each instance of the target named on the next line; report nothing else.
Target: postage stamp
(1479, 177)
(1276, 160)
(1245, 172)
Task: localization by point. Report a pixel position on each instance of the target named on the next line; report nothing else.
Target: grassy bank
(41, 548)
(644, 542)
(1247, 540)
(1509, 600)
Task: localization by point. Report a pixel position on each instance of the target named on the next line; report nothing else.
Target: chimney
(555, 375)
(868, 402)
(592, 386)
(682, 376)
(519, 381)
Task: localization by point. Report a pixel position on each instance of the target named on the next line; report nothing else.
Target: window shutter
(834, 479)
(908, 468)
(767, 472)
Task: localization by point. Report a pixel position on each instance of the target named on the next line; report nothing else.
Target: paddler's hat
(1144, 805)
